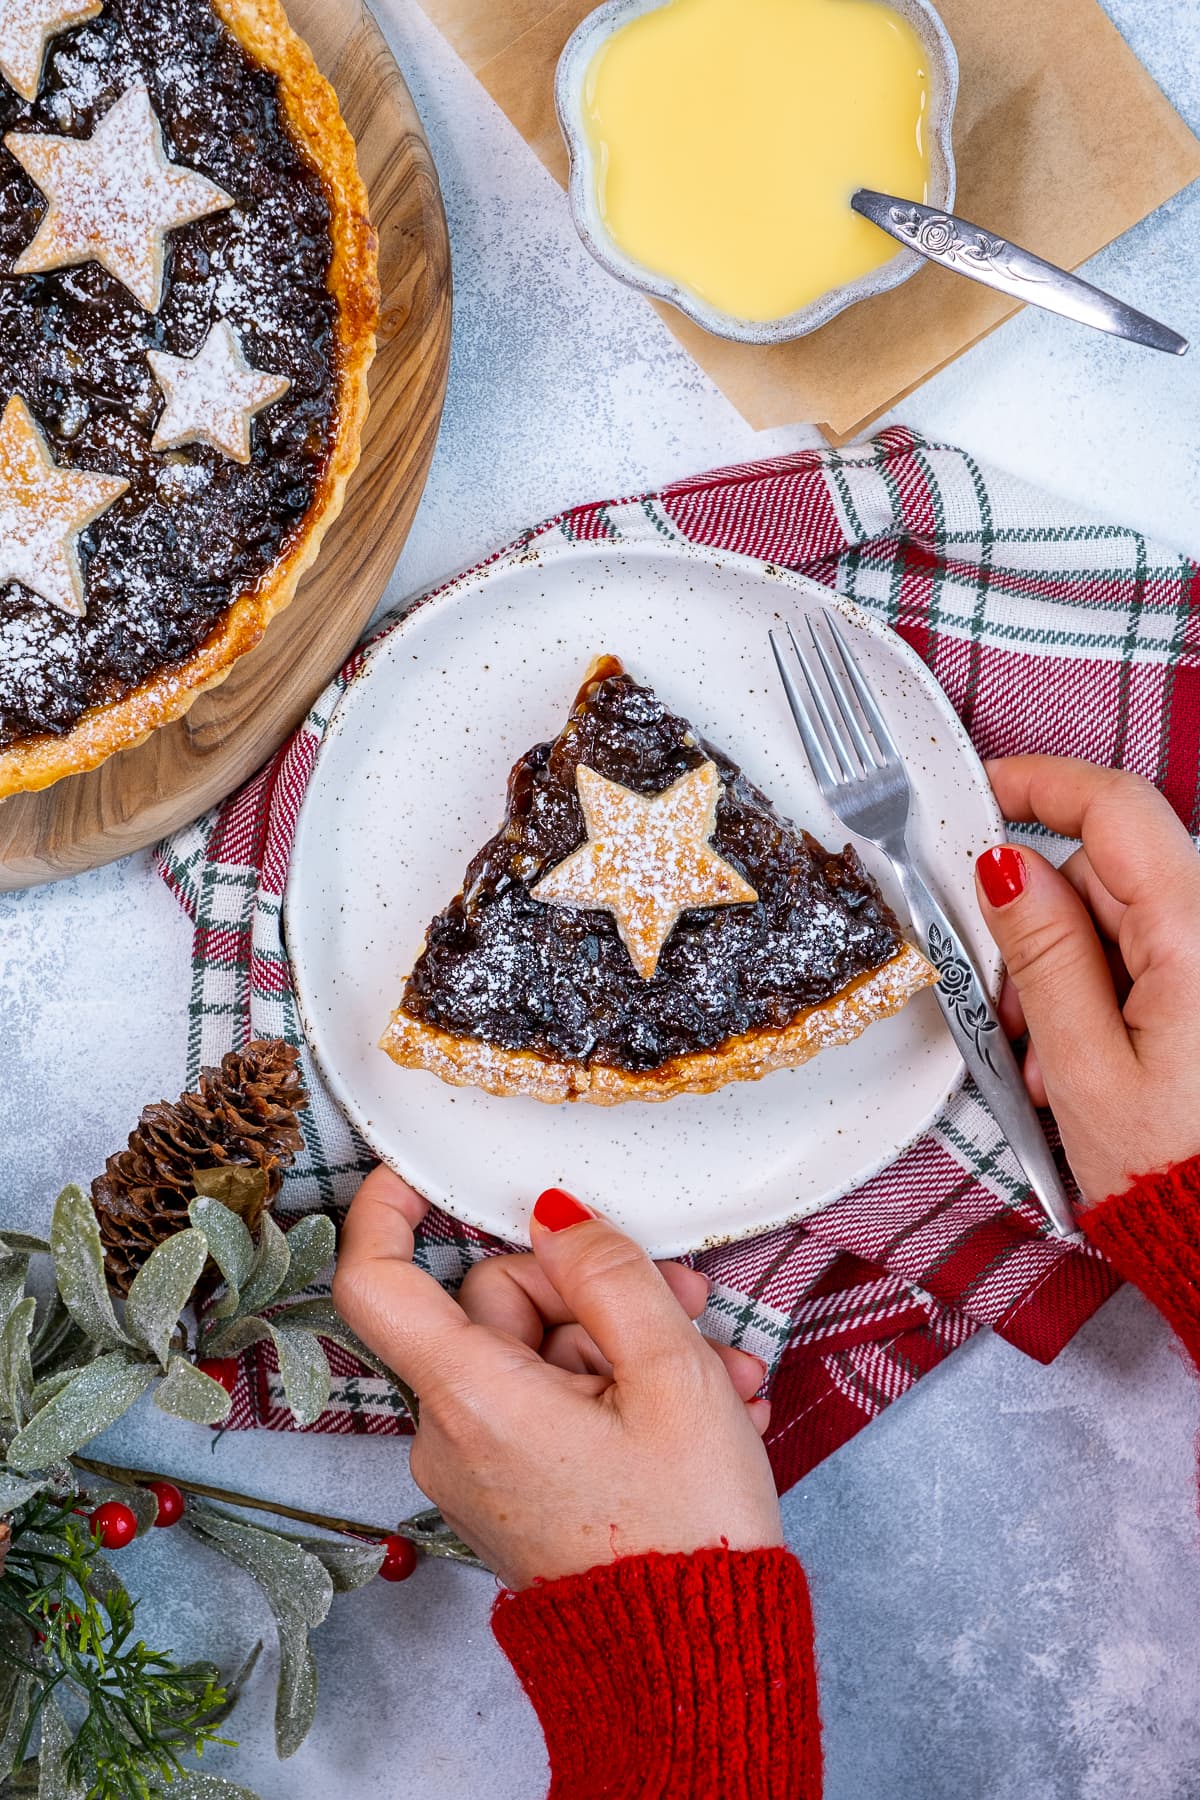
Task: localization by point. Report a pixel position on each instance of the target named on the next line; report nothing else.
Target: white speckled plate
(410, 782)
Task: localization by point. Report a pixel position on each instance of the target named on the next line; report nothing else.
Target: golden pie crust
(468, 1062)
(311, 108)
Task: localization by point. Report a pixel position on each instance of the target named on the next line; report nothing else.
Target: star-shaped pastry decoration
(646, 860)
(212, 396)
(26, 27)
(43, 509)
(113, 197)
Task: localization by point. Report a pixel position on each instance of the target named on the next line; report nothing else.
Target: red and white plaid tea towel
(1049, 631)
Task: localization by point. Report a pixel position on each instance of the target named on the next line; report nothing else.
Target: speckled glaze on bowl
(569, 83)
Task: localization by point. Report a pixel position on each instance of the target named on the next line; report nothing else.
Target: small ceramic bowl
(569, 86)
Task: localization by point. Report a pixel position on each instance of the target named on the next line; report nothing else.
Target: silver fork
(858, 769)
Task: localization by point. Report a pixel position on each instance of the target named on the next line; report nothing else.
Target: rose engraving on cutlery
(966, 249)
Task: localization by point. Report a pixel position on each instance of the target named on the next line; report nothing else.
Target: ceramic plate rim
(413, 615)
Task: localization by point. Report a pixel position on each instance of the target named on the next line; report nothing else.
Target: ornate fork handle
(967, 1007)
(982, 1042)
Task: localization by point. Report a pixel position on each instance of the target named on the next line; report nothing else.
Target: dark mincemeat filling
(502, 967)
(195, 530)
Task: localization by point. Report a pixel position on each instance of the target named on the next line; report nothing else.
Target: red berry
(221, 1369)
(400, 1558)
(114, 1524)
(170, 1502)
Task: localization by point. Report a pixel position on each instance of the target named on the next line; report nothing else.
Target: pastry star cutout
(646, 860)
(212, 396)
(26, 27)
(113, 197)
(43, 509)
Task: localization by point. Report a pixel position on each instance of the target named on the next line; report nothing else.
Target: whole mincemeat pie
(188, 304)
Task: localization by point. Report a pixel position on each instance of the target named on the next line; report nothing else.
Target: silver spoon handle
(967, 249)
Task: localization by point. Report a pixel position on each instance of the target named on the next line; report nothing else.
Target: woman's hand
(570, 1411)
(1104, 965)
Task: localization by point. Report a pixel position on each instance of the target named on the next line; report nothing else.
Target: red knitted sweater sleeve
(672, 1677)
(693, 1677)
(1151, 1235)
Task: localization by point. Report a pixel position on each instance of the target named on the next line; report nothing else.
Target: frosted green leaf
(42, 1542)
(161, 1289)
(16, 1368)
(227, 1306)
(19, 1243)
(55, 1335)
(49, 1385)
(303, 1369)
(88, 1405)
(16, 1491)
(14, 1694)
(303, 1365)
(292, 1579)
(235, 1336)
(13, 1270)
(431, 1534)
(296, 1696)
(234, 1686)
(311, 1244)
(271, 1260)
(186, 1392)
(14, 1725)
(23, 1783)
(197, 1784)
(298, 1590)
(54, 1782)
(348, 1566)
(229, 1243)
(321, 1316)
(79, 1269)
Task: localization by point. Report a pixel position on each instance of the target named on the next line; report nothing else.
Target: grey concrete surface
(1005, 1567)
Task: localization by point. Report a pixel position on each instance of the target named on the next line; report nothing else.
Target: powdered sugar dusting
(212, 396)
(26, 26)
(473, 1062)
(43, 509)
(647, 859)
(113, 197)
(196, 528)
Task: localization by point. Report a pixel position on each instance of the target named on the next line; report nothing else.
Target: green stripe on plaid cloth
(1049, 631)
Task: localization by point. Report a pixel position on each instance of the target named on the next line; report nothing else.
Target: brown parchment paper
(1062, 142)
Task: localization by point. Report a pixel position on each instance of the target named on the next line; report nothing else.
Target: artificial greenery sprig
(110, 1717)
(114, 1716)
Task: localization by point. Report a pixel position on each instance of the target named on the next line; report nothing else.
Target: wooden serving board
(138, 796)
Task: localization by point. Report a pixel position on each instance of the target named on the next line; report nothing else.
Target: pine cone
(242, 1117)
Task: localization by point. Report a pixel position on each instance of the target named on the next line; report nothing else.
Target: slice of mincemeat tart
(645, 924)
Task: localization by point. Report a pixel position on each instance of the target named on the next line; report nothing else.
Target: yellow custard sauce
(729, 135)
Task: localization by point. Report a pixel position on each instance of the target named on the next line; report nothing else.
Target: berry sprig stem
(419, 1529)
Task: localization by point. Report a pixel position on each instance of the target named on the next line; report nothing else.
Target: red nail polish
(1002, 874)
(556, 1209)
